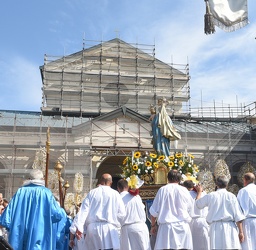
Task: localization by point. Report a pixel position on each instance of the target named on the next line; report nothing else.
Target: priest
(31, 215)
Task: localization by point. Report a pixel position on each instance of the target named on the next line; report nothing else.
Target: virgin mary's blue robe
(163, 132)
(161, 144)
(30, 217)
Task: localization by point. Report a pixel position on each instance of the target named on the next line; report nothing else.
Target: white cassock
(223, 213)
(247, 200)
(199, 226)
(171, 206)
(134, 231)
(102, 210)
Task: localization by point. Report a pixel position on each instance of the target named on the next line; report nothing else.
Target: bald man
(101, 212)
(247, 200)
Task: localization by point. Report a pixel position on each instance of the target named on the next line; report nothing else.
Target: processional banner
(229, 15)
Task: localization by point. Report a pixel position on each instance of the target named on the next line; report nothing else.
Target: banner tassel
(209, 27)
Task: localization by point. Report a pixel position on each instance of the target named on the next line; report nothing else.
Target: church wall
(76, 147)
(95, 82)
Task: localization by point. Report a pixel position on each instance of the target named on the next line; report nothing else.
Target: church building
(96, 111)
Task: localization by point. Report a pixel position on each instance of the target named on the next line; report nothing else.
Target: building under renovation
(95, 111)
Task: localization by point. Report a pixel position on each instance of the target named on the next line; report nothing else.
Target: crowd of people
(183, 216)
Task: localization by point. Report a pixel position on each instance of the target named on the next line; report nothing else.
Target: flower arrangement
(144, 166)
(185, 164)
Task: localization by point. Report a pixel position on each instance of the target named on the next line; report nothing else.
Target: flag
(228, 15)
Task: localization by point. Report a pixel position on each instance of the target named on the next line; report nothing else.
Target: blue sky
(222, 65)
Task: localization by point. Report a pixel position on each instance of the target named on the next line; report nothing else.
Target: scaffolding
(96, 103)
(75, 141)
(109, 75)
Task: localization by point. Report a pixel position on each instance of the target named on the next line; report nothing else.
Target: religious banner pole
(58, 167)
(48, 143)
(209, 27)
(228, 15)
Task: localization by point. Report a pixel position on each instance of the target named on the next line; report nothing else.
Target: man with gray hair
(31, 214)
(224, 216)
(247, 200)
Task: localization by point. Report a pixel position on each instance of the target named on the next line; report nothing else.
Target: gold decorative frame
(161, 175)
(148, 192)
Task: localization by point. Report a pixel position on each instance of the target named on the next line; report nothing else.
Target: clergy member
(224, 216)
(198, 225)
(171, 208)
(31, 215)
(134, 230)
(247, 200)
(102, 210)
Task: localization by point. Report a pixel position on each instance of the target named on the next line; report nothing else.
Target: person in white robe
(224, 216)
(134, 230)
(247, 200)
(102, 210)
(198, 225)
(171, 208)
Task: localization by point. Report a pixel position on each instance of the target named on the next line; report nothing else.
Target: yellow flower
(153, 155)
(148, 163)
(161, 157)
(178, 155)
(181, 163)
(125, 161)
(155, 165)
(137, 154)
(191, 156)
(196, 168)
(171, 157)
(170, 163)
(133, 181)
(135, 167)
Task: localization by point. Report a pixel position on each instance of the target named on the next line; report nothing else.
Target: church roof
(122, 111)
(110, 48)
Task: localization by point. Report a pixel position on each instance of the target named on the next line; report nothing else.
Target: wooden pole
(60, 190)
(66, 186)
(48, 143)
(58, 167)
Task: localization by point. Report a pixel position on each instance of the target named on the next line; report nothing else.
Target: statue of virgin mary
(163, 130)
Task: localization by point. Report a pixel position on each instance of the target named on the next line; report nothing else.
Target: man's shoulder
(169, 188)
(163, 188)
(249, 188)
(33, 188)
(106, 189)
